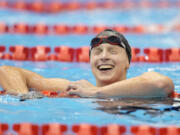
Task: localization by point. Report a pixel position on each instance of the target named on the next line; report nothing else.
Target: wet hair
(110, 32)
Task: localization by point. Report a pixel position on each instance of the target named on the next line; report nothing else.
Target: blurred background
(41, 26)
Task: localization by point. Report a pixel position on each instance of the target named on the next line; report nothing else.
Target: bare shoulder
(152, 73)
(155, 75)
(160, 80)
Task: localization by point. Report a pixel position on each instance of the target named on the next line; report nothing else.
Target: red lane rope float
(172, 54)
(54, 129)
(37, 6)
(80, 29)
(85, 129)
(135, 52)
(163, 4)
(3, 28)
(2, 92)
(175, 95)
(98, 29)
(127, 4)
(21, 28)
(108, 4)
(26, 129)
(177, 28)
(3, 128)
(3, 3)
(121, 29)
(145, 4)
(61, 29)
(68, 54)
(171, 130)
(64, 53)
(52, 57)
(4, 55)
(2, 50)
(49, 93)
(113, 129)
(143, 130)
(53, 7)
(138, 29)
(153, 54)
(73, 5)
(20, 5)
(91, 5)
(57, 94)
(41, 29)
(82, 54)
(19, 52)
(40, 53)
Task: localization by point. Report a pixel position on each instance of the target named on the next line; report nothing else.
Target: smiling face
(109, 63)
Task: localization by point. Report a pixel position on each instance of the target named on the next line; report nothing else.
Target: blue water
(113, 17)
(95, 111)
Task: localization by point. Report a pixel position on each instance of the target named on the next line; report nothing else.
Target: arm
(150, 84)
(16, 80)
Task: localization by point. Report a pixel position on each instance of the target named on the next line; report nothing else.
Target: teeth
(105, 67)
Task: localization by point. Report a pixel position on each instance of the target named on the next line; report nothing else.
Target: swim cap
(124, 42)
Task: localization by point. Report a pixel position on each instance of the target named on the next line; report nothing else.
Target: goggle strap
(123, 44)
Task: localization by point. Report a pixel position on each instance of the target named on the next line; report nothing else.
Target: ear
(127, 66)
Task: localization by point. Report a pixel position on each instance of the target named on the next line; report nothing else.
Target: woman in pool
(110, 57)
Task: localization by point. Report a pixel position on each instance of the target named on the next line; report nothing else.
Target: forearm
(148, 85)
(52, 84)
(17, 80)
(40, 83)
(127, 88)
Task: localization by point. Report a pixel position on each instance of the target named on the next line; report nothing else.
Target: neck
(105, 83)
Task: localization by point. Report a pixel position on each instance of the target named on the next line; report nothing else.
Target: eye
(97, 51)
(112, 51)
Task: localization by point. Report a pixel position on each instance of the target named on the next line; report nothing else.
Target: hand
(66, 95)
(82, 88)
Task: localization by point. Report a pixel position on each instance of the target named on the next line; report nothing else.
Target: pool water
(94, 111)
(87, 110)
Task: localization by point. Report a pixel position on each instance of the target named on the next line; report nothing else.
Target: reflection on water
(164, 111)
(145, 109)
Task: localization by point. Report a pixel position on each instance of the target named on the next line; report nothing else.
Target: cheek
(92, 63)
(120, 62)
(93, 60)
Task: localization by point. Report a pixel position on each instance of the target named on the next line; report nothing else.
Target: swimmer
(110, 57)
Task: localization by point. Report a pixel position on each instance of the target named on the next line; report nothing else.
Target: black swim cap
(110, 32)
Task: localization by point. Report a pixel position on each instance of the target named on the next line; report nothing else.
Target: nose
(104, 56)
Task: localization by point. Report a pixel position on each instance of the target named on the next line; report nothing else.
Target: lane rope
(90, 129)
(55, 6)
(81, 54)
(83, 29)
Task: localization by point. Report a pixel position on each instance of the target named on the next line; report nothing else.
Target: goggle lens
(111, 40)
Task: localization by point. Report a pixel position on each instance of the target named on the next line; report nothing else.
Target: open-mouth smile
(105, 67)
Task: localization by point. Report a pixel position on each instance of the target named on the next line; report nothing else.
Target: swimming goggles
(113, 40)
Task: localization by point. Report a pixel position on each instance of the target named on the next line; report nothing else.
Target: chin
(106, 80)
